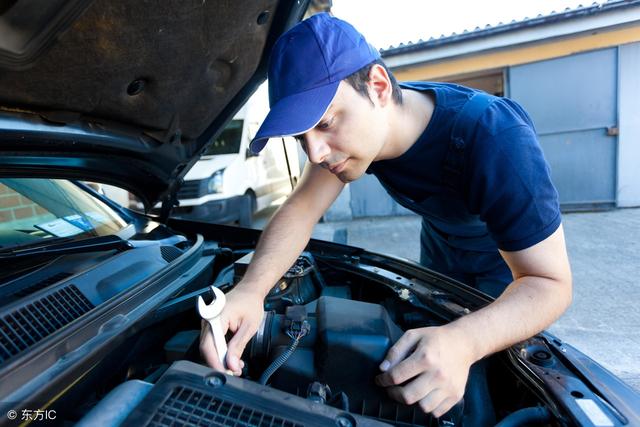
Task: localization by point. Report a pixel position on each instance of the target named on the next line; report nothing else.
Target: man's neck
(408, 122)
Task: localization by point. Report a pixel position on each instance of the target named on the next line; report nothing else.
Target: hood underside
(127, 92)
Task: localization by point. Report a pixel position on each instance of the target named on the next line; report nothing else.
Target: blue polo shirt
(505, 192)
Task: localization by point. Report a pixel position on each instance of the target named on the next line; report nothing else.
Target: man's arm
(290, 229)
(438, 358)
(280, 244)
(540, 293)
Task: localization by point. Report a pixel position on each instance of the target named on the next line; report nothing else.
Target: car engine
(312, 362)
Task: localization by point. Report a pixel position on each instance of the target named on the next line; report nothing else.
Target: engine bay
(324, 333)
(129, 355)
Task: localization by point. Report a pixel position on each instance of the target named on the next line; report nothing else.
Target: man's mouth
(338, 167)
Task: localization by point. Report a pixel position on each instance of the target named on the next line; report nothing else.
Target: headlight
(215, 182)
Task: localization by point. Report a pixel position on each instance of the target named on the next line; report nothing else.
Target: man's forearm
(529, 305)
(540, 293)
(280, 244)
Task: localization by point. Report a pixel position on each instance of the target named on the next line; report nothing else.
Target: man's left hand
(434, 363)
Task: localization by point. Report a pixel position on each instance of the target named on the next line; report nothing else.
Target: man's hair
(360, 78)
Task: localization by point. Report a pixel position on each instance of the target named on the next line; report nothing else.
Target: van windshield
(228, 142)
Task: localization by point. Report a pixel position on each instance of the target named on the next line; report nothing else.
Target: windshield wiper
(92, 244)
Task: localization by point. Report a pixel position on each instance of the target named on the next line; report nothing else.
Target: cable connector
(297, 329)
(296, 325)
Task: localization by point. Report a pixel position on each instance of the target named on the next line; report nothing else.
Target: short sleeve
(509, 182)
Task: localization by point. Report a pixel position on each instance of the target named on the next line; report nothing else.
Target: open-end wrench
(211, 313)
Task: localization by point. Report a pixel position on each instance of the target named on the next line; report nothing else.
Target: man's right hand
(282, 240)
(242, 315)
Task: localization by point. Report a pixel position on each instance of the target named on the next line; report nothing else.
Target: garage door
(572, 101)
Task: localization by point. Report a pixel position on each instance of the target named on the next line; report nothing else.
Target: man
(468, 162)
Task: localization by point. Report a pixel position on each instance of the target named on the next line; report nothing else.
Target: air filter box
(354, 337)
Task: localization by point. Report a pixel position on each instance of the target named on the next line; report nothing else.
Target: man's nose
(317, 148)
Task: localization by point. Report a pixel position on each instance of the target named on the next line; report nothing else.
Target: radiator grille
(192, 189)
(187, 407)
(25, 326)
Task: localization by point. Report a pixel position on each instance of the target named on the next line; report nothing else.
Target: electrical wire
(295, 336)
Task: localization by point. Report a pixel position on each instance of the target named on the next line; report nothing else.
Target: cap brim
(294, 115)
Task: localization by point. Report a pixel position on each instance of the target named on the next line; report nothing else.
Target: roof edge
(489, 31)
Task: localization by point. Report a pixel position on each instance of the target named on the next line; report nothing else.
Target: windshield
(32, 210)
(228, 142)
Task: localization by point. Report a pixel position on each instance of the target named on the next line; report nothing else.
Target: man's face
(349, 136)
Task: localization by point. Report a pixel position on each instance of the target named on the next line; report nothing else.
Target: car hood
(127, 93)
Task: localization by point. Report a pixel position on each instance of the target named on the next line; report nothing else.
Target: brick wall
(14, 206)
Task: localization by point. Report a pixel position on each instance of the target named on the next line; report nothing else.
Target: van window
(228, 142)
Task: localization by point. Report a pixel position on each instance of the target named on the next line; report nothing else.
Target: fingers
(411, 393)
(242, 320)
(210, 353)
(444, 407)
(429, 398)
(236, 347)
(433, 400)
(420, 368)
(400, 350)
(402, 370)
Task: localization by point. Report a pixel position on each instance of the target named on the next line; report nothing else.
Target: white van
(229, 183)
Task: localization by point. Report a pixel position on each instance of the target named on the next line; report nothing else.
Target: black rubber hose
(279, 361)
(525, 416)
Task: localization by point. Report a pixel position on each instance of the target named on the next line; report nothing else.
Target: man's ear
(380, 89)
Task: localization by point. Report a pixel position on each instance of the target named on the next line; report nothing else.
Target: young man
(469, 163)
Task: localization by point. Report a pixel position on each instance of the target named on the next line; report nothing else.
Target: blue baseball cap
(306, 66)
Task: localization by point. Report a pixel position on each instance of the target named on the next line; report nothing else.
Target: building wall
(573, 103)
(15, 208)
(628, 185)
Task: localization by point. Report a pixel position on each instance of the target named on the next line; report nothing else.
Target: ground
(604, 249)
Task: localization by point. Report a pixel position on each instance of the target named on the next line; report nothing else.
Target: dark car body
(98, 323)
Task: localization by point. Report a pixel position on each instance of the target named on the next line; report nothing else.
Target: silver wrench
(211, 313)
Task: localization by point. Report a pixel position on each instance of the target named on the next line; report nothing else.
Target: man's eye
(325, 124)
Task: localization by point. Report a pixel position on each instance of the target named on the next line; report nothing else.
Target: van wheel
(248, 209)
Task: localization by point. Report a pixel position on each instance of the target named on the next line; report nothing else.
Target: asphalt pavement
(604, 250)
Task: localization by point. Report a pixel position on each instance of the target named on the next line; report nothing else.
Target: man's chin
(348, 175)
(344, 179)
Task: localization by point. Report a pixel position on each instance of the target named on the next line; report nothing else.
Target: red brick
(9, 201)
(24, 201)
(6, 216)
(23, 212)
(40, 210)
